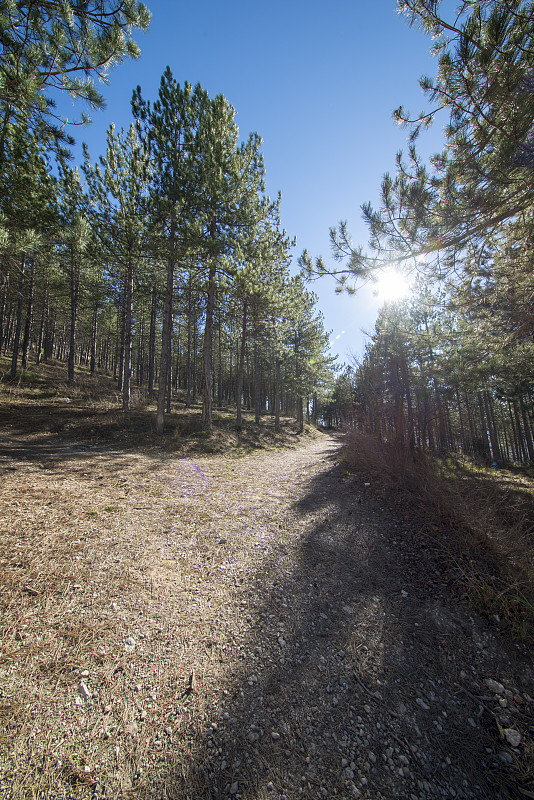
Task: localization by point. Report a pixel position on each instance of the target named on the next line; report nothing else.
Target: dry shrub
(488, 516)
(139, 399)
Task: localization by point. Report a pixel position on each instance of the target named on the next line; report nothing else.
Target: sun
(392, 286)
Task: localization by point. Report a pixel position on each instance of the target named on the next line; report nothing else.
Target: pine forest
(161, 262)
(266, 485)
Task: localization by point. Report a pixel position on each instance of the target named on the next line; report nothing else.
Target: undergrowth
(39, 401)
(483, 517)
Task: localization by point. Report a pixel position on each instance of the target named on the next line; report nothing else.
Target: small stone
(130, 642)
(84, 691)
(505, 757)
(281, 641)
(404, 593)
(275, 736)
(494, 686)
(168, 731)
(234, 788)
(348, 774)
(420, 702)
(131, 729)
(84, 673)
(512, 736)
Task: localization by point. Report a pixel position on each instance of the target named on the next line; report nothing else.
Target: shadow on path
(357, 677)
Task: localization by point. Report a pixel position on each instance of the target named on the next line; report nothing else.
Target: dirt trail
(255, 628)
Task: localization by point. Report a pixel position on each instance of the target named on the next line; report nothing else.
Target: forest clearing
(253, 623)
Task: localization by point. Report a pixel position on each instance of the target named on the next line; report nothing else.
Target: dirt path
(253, 628)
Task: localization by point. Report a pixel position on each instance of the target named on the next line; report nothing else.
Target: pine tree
(169, 129)
(75, 236)
(118, 188)
(60, 45)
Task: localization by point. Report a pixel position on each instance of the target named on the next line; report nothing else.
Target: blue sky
(319, 83)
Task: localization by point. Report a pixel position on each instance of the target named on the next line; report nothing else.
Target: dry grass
(104, 536)
(40, 402)
(144, 587)
(487, 517)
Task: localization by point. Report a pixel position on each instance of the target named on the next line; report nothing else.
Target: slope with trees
(164, 263)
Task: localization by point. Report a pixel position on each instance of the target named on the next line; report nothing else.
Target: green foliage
(61, 45)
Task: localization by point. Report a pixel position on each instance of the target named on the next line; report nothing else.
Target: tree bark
(207, 401)
(128, 312)
(166, 334)
(152, 343)
(29, 318)
(18, 323)
(241, 366)
(277, 395)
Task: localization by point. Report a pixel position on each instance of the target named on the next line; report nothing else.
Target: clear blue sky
(318, 81)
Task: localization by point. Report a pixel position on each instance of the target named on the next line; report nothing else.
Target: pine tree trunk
(140, 369)
(152, 343)
(526, 430)
(18, 323)
(166, 334)
(277, 395)
(195, 374)
(94, 332)
(168, 400)
(189, 363)
(120, 381)
(3, 305)
(522, 444)
(486, 448)
(42, 326)
(50, 334)
(74, 294)
(496, 452)
(117, 345)
(128, 312)
(29, 318)
(257, 373)
(241, 366)
(410, 431)
(207, 400)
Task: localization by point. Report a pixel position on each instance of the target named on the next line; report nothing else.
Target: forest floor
(188, 624)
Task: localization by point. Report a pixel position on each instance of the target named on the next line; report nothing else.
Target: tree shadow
(357, 676)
